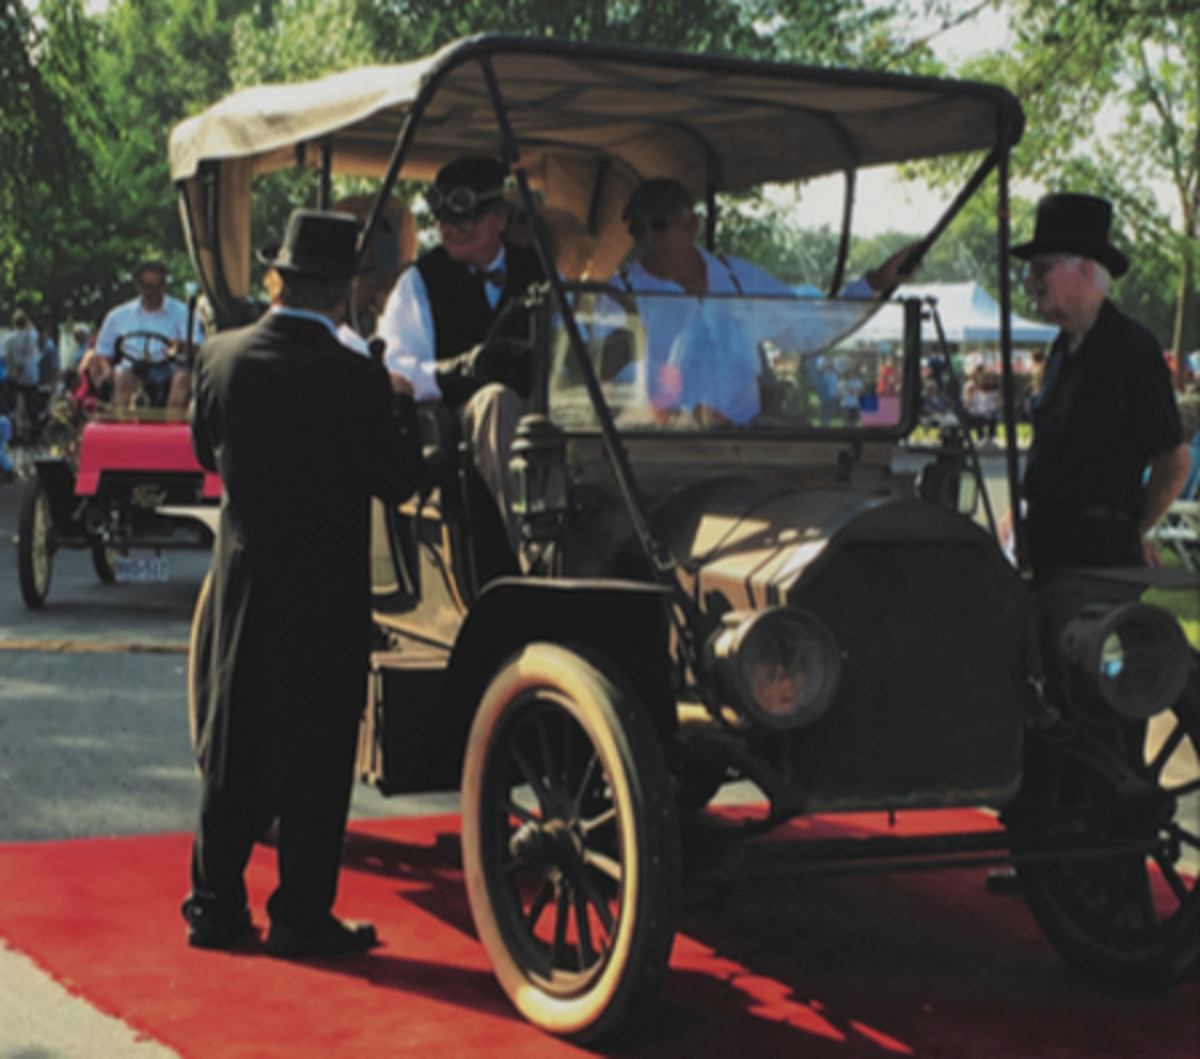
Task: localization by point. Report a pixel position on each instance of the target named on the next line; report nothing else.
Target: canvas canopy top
(591, 121)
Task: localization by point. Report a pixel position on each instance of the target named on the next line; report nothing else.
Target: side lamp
(538, 474)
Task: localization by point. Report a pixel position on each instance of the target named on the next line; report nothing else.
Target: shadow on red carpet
(929, 965)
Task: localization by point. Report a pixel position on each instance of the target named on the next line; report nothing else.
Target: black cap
(467, 188)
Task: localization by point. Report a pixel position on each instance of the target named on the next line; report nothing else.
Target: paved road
(93, 741)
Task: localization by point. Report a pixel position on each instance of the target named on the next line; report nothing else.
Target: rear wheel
(35, 545)
(1129, 917)
(570, 843)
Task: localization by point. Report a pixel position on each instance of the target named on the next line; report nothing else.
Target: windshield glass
(672, 362)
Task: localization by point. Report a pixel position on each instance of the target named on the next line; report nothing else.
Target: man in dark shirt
(1105, 411)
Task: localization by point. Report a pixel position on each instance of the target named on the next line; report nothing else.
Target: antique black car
(771, 601)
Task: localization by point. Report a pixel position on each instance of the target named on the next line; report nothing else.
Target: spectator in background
(49, 363)
(21, 351)
(20, 355)
(83, 341)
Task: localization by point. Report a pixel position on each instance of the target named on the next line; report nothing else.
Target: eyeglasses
(461, 203)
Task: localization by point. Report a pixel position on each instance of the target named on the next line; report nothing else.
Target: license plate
(142, 568)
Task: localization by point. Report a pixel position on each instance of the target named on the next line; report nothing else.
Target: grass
(1183, 603)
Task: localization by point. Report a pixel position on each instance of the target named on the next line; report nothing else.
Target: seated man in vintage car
(704, 354)
(454, 322)
(155, 326)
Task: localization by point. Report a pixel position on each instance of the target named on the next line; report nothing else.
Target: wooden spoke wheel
(570, 843)
(36, 545)
(1132, 917)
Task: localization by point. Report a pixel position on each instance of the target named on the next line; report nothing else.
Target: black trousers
(295, 768)
(1095, 537)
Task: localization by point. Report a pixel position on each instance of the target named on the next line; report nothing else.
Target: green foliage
(1111, 90)
(293, 40)
(38, 63)
(87, 103)
(802, 30)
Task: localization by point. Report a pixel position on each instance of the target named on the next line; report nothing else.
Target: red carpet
(928, 965)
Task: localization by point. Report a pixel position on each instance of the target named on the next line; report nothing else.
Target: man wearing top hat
(1105, 411)
(286, 635)
(454, 322)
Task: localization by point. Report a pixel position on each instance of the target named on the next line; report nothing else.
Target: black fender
(57, 477)
(625, 621)
(423, 714)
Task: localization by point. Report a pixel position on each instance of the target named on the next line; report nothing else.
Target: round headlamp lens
(1134, 656)
(781, 666)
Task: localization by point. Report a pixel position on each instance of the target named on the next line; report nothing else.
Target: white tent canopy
(968, 314)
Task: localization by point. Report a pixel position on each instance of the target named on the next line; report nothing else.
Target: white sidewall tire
(649, 846)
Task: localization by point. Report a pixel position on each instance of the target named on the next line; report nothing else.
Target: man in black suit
(303, 433)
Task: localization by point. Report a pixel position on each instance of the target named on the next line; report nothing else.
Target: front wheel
(570, 843)
(1130, 917)
(35, 545)
(104, 562)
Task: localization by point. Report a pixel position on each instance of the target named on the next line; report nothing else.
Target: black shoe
(331, 937)
(210, 929)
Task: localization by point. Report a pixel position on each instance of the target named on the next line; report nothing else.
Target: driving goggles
(461, 203)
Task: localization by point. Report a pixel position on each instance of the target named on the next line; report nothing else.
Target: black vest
(462, 317)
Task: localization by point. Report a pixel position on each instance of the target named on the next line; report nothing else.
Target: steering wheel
(142, 348)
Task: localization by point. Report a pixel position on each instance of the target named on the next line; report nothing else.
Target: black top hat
(318, 244)
(1075, 224)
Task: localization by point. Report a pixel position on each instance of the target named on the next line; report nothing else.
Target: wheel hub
(553, 842)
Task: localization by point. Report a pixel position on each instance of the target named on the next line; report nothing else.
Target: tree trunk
(1185, 321)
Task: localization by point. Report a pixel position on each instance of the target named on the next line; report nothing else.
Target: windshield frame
(552, 338)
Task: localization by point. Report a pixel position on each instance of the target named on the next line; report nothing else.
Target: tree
(40, 64)
(1137, 62)
(802, 30)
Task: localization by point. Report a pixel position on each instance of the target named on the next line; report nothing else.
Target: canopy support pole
(839, 268)
(1006, 361)
(661, 560)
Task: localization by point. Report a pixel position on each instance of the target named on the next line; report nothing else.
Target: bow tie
(493, 277)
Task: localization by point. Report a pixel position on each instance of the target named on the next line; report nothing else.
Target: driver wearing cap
(452, 322)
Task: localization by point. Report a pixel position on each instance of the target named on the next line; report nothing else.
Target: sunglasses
(461, 203)
(658, 222)
(1042, 266)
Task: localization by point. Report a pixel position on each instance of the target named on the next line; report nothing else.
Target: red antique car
(126, 488)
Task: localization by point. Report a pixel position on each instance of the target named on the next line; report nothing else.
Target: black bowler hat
(317, 244)
(1075, 224)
